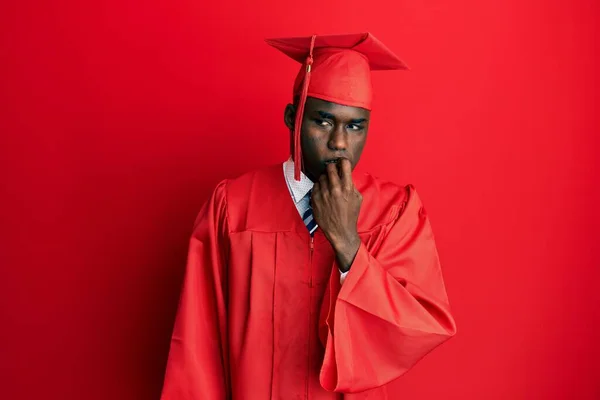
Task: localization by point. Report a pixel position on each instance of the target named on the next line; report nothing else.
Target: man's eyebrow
(325, 114)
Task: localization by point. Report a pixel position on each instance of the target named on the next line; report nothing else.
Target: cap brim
(379, 56)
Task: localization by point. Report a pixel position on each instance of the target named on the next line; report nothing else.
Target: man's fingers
(323, 184)
(346, 167)
(316, 193)
(334, 178)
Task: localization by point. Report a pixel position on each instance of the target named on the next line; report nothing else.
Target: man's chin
(312, 174)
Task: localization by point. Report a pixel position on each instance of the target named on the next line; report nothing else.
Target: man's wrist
(346, 250)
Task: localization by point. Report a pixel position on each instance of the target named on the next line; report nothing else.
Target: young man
(304, 281)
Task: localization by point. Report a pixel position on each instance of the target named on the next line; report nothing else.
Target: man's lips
(333, 160)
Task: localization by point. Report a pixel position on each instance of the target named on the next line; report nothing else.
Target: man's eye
(322, 122)
(354, 127)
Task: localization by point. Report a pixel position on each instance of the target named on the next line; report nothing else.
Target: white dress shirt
(299, 191)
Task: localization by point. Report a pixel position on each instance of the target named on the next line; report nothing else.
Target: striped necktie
(308, 218)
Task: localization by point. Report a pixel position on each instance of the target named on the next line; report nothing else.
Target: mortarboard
(335, 68)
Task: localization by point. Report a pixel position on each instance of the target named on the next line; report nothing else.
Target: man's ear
(289, 116)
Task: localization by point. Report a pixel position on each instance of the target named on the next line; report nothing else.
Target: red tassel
(300, 112)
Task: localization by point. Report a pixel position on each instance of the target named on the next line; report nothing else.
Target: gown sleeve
(391, 310)
(197, 366)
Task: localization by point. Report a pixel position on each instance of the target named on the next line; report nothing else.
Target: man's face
(329, 131)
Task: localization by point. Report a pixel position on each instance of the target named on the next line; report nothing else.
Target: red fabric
(261, 316)
(340, 76)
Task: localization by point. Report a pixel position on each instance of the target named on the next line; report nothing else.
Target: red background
(117, 119)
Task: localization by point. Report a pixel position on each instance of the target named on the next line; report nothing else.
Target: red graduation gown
(262, 313)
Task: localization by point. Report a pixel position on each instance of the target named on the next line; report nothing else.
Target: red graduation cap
(335, 68)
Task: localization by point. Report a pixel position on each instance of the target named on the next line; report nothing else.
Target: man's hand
(336, 204)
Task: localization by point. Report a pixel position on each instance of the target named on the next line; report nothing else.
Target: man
(304, 281)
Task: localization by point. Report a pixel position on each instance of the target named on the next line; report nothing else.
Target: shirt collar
(298, 189)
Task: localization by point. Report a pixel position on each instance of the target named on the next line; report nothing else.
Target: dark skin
(333, 137)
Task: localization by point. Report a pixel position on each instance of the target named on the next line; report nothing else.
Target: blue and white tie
(309, 220)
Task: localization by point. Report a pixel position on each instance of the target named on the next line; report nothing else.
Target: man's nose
(338, 140)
